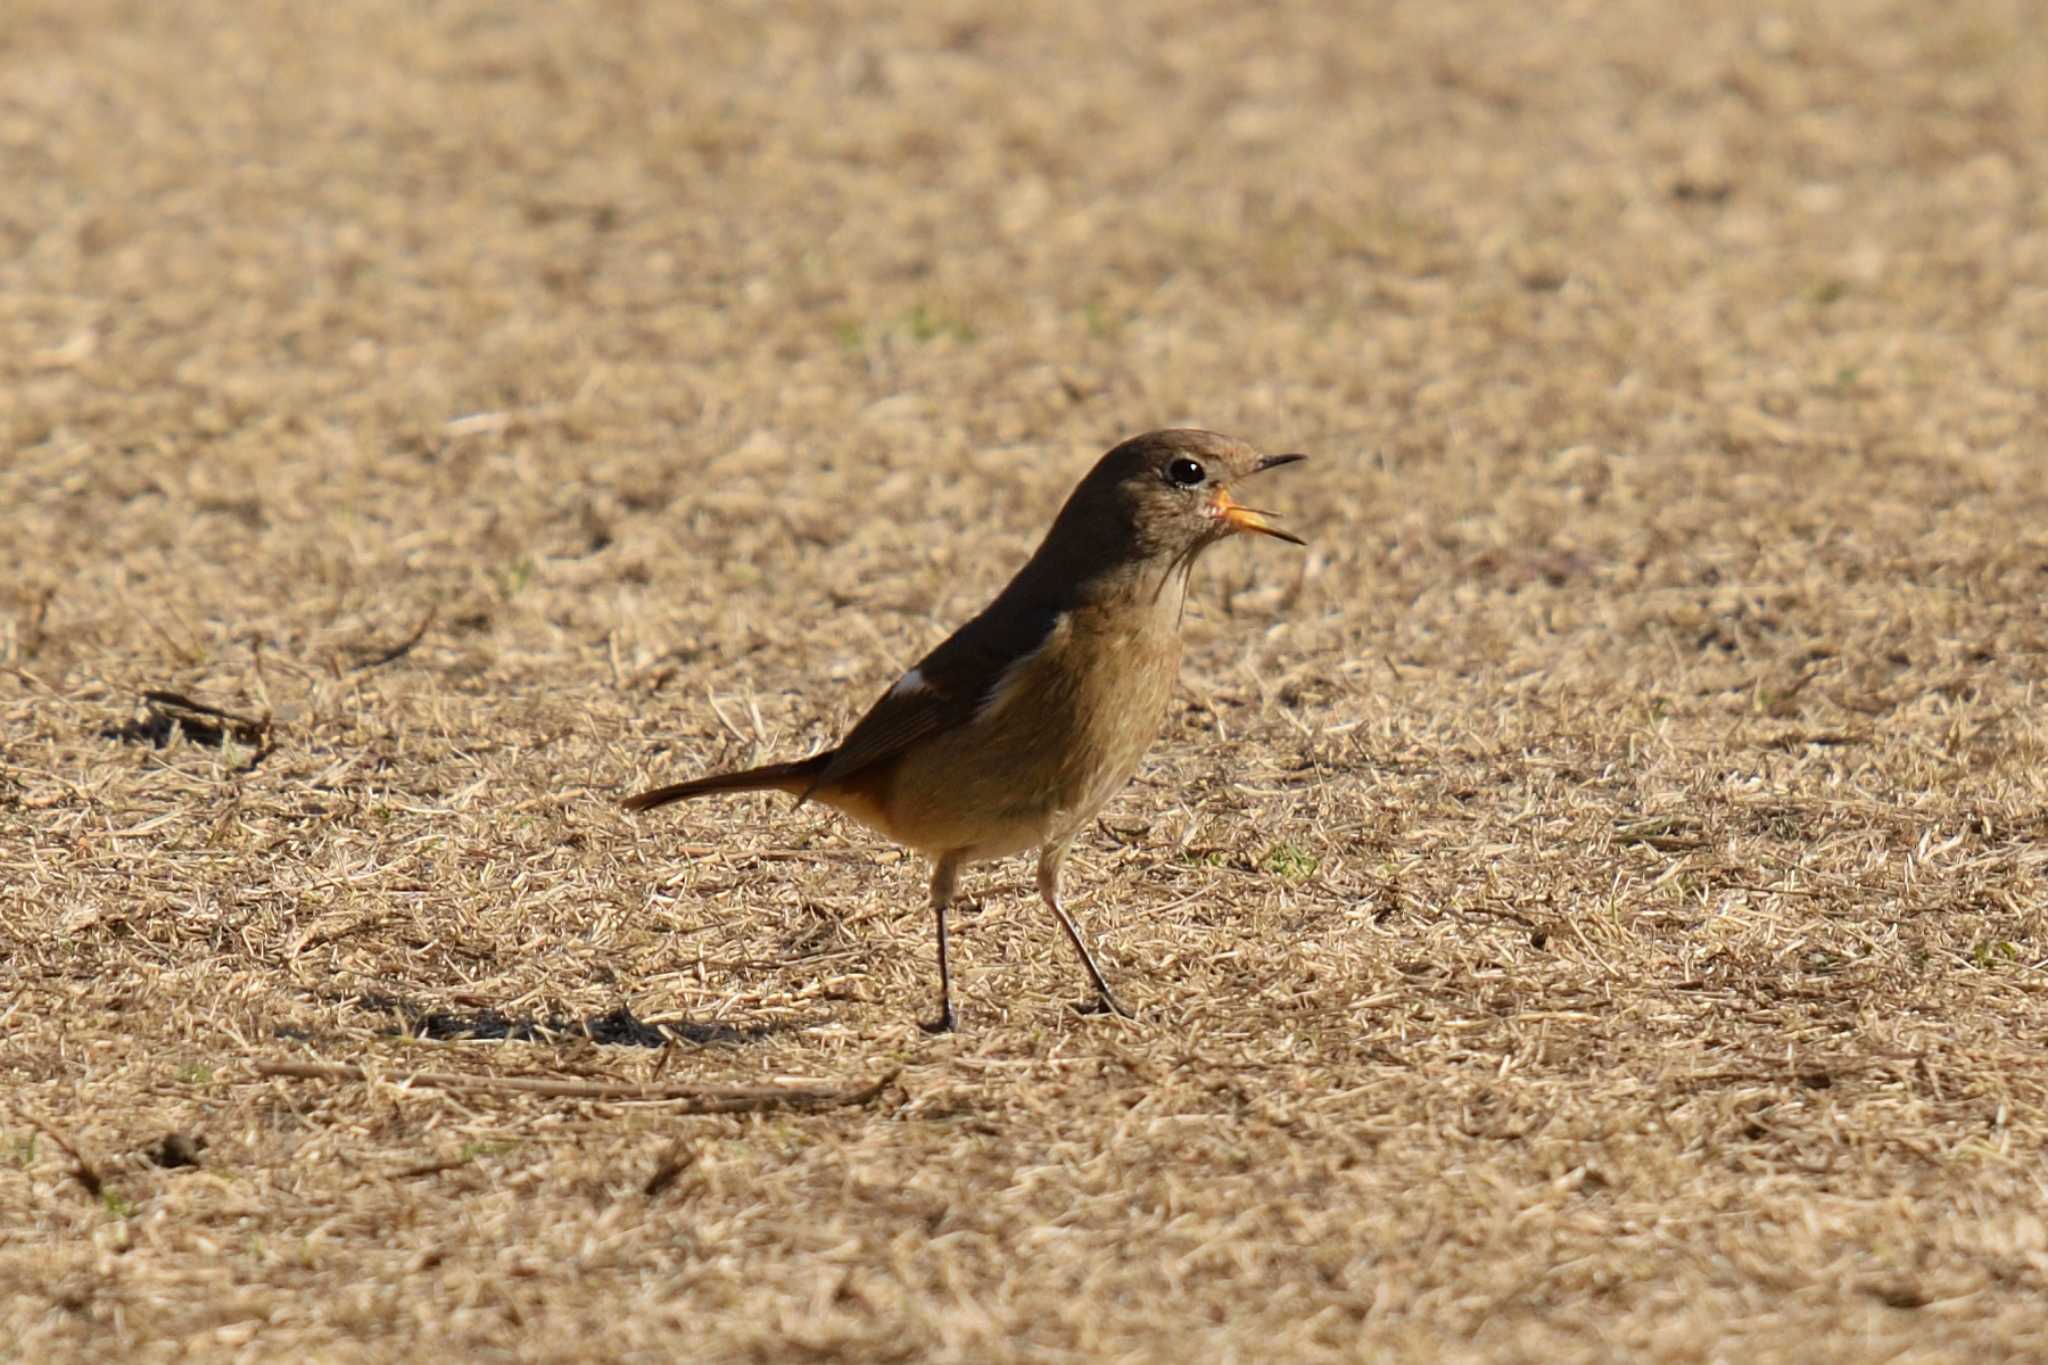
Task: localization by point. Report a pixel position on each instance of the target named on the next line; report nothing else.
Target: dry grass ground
(1590, 905)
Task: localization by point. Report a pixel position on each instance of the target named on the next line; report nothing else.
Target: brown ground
(1589, 905)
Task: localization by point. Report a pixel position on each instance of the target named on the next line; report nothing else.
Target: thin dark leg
(1049, 887)
(945, 877)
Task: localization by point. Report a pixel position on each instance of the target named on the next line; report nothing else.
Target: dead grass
(1589, 906)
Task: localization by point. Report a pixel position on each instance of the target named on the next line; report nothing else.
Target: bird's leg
(945, 877)
(1049, 861)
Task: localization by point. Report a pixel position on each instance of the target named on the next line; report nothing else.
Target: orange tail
(794, 778)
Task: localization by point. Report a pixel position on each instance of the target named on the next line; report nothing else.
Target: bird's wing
(946, 689)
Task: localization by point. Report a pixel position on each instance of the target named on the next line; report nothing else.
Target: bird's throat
(1168, 590)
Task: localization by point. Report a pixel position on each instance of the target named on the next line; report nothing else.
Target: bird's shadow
(615, 1028)
(171, 716)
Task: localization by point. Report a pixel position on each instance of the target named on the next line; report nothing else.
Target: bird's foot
(947, 1022)
(1106, 1003)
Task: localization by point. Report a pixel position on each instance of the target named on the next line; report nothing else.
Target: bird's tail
(794, 778)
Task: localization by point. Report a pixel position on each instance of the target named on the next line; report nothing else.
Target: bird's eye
(1185, 473)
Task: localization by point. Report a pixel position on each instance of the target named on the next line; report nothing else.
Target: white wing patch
(910, 684)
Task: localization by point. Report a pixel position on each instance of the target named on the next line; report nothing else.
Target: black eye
(1185, 472)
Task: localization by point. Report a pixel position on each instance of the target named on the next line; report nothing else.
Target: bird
(1013, 732)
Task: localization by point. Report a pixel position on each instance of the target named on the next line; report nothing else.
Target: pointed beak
(1240, 518)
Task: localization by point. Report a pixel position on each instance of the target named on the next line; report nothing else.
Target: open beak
(1238, 517)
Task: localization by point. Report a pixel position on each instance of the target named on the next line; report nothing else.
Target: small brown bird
(1013, 733)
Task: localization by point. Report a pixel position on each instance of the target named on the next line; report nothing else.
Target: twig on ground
(82, 1170)
(177, 708)
(695, 1099)
(378, 658)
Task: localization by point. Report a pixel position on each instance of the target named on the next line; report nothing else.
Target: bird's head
(1164, 496)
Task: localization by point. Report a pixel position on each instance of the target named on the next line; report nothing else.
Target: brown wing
(943, 691)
